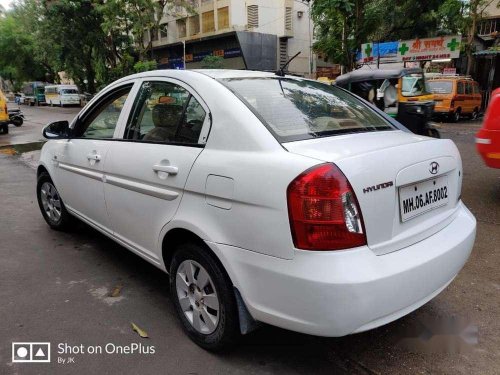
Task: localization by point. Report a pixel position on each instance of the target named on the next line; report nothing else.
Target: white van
(62, 95)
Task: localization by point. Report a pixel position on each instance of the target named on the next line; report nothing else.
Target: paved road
(35, 119)
(56, 287)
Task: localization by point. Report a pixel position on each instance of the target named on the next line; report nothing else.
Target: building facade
(251, 34)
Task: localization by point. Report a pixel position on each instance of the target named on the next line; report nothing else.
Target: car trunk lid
(384, 169)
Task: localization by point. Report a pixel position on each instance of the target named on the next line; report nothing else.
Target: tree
(477, 9)
(343, 25)
(212, 62)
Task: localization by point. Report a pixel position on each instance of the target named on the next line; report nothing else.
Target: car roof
(374, 74)
(212, 73)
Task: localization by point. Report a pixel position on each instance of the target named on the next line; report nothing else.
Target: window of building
(288, 18)
(208, 21)
(252, 16)
(164, 31)
(153, 35)
(194, 25)
(223, 18)
(181, 28)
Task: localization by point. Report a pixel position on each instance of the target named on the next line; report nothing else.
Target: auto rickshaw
(4, 114)
(401, 93)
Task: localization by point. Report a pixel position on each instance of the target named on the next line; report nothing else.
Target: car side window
(460, 88)
(101, 123)
(476, 89)
(166, 113)
(468, 88)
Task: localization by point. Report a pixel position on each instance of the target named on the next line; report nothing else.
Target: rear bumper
(343, 292)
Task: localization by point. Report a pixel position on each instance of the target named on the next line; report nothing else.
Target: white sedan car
(266, 198)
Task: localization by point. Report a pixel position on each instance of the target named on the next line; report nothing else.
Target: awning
(487, 52)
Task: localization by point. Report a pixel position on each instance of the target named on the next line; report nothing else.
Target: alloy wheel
(51, 201)
(197, 296)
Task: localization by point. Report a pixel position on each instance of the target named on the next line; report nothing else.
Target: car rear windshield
(298, 109)
(440, 87)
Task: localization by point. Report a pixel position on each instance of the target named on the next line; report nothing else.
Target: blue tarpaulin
(387, 49)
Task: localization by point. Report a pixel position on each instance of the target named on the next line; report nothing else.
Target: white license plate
(418, 198)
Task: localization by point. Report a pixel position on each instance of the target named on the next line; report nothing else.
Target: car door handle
(95, 157)
(165, 169)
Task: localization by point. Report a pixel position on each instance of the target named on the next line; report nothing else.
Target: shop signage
(443, 47)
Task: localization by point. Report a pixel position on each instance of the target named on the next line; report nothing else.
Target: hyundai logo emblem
(434, 167)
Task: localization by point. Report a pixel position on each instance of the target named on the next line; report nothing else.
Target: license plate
(418, 198)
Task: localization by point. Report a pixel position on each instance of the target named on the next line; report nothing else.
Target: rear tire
(51, 205)
(475, 114)
(201, 290)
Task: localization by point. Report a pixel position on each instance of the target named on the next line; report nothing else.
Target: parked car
(266, 198)
(455, 96)
(4, 114)
(62, 95)
(488, 137)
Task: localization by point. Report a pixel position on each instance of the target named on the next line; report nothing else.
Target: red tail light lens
(323, 210)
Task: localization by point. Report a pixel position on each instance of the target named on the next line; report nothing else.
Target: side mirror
(56, 130)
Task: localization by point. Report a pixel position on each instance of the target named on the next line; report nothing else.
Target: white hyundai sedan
(266, 198)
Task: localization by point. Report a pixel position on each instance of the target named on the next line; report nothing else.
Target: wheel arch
(41, 169)
(178, 235)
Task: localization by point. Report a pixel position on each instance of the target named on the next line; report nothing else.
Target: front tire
(455, 117)
(203, 297)
(51, 205)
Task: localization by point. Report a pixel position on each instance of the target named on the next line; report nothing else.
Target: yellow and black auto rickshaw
(401, 93)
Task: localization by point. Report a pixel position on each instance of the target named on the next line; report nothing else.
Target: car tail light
(323, 210)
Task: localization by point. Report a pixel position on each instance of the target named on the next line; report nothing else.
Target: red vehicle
(488, 138)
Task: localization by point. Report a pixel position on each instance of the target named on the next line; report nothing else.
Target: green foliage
(343, 25)
(144, 66)
(95, 42)
(212, 62)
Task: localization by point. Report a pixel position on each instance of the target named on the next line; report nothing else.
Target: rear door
(79, 175)
(147, 170)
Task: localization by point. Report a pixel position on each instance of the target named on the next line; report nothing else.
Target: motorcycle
(16, 117)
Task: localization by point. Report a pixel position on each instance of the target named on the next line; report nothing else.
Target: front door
(80, 160)
(147, 171)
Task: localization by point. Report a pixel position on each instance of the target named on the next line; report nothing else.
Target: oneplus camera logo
(34, 352)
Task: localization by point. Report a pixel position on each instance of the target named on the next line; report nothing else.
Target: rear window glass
(440, 87)
(295, 109)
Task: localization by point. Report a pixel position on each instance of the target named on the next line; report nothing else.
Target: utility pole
(184, 53)
(310, 37)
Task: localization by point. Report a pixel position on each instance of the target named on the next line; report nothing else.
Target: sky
(5, 3)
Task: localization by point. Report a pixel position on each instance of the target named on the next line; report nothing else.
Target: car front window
(101, 123)
(296, 109)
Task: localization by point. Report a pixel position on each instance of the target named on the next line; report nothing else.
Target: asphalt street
(80, 288)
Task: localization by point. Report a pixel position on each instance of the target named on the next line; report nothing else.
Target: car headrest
(166, 115)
